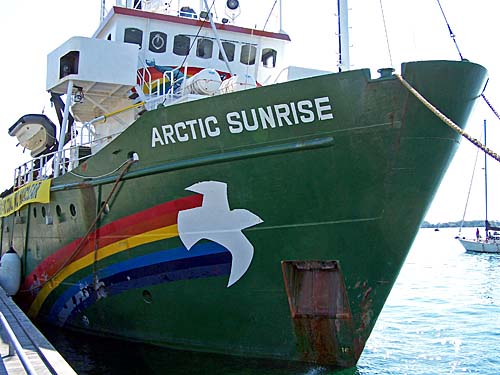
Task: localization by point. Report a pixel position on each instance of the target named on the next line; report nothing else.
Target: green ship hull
(337, 172)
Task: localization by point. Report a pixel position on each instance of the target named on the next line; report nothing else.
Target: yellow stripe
(104, 252)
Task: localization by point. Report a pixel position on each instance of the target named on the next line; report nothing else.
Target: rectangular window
(248, 53)
(133, 35)
(181, 45)
(269, 57)
(204, 48)
(229, 49)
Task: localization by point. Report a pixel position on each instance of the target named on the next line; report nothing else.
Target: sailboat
(490, 243)
(203, 196)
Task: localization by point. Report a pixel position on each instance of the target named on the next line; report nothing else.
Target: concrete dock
(23, 348)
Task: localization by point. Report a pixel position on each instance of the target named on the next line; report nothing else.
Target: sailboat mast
(485, 185)
(344, 63)
(103, 9)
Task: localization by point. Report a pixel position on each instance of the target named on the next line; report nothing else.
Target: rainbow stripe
(153, 225)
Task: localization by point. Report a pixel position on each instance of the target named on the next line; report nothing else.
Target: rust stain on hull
(320, 312)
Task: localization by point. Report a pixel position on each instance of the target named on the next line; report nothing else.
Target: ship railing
(87, 133)
(164, 90)
(144, 78)
(42, 167)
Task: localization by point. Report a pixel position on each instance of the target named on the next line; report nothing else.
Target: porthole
(147, 296)
(157, 42)
(72, 209)
(106, 208)
(43, 211)
(58, 210)
(34, 211)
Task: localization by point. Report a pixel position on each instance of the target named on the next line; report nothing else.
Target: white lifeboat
(237, 83)
(10, 272)
(35, 132)
(205, 82)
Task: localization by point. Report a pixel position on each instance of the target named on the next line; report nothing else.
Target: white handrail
(17, 346)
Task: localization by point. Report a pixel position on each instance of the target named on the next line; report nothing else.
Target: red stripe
(153, 218)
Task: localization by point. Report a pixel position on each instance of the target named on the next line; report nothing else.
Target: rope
(446, 120)
(452, 35)
(491, 107)
(386, 34)
(99, 214)
(269, 16)
(87, 234)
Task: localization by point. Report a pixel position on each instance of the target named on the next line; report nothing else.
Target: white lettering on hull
(247, 120)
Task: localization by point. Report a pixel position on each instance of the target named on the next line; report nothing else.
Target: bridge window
(157, 42)
(204, 48)
(269, 57)
(181, 45)
(229, 49)
(248, 53)
(133, 35)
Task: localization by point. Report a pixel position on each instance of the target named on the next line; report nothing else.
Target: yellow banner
(36, 191)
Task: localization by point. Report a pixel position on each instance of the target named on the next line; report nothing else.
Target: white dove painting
(216, 222)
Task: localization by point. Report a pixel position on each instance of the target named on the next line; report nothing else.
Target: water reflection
(91, 355)
(487, 267)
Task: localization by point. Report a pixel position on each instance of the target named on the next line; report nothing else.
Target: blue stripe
(206, 259)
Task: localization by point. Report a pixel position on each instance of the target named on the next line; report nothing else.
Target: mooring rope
(446, 120)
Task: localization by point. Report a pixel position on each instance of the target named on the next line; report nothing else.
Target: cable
(102, 175)
(468, 193)
(452, 35)
(386, 34)
(270, 13)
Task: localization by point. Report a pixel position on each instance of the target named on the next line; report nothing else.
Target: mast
(486, 224)
(103, 9)
(344, 62)
(281, 16)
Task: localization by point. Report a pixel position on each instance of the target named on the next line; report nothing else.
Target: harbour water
(442, 317)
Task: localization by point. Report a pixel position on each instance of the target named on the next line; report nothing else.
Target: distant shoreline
(458, 224)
